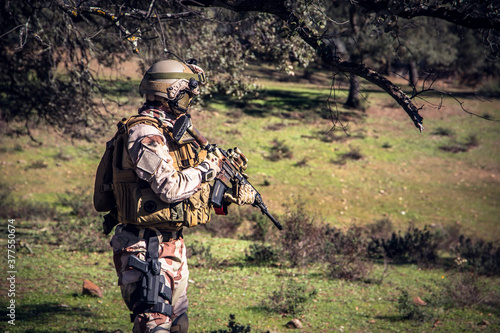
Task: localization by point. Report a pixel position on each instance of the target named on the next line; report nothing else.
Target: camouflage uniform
(172, 186)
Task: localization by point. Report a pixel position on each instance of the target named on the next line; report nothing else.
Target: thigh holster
(154, 292)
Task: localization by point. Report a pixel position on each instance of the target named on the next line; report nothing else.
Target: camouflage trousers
(172, 257)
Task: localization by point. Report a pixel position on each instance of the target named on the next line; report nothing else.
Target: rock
(90, 288)
(484, 323)
(294, 323)
(418, 301)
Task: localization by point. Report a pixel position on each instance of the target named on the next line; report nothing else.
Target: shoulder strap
(138, 119)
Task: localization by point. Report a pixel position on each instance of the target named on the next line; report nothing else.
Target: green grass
(403, 176)
(49, 282)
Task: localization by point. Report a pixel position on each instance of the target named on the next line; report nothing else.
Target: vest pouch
(126, 195)
(152, 210)
(197, 208)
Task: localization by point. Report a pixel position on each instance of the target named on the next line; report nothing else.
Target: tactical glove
(244, 195)
(210, 167)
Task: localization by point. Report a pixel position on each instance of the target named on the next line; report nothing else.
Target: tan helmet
(174, 82)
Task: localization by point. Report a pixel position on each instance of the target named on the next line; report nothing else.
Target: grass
(56, 303)
(401, 175)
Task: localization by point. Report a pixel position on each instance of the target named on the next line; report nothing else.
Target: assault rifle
(230, 175)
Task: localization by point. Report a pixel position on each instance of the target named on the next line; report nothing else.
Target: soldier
(159, 188)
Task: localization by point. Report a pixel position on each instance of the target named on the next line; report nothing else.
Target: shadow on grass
(46, 315)
(288, 104)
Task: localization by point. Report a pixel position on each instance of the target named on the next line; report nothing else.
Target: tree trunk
(413, 73)
(353, 100)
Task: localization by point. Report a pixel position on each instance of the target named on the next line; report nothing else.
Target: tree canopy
(47, 45)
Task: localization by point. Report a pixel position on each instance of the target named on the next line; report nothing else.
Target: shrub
(482, 257)
(79, 203)
(352, 154)
(226, 225)
(79, 234)
(459, 147)
(39, 164)
(279, 150)
(382, 228)
(464, 289)
(346, 253)
(261, 254)
(441, 131)
(300, 241)
(260, 225)
(415, 246)
(202, 253)
(290, 299)
(409, 310)
(234, 327)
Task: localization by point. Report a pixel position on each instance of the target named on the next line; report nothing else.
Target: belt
(167, 235)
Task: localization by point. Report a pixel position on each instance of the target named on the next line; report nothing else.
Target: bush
(482, 257)
(279, 150)
(459, 147)
(261, 254)
(300, 241)
(464, 289)
(226, 225)
(415, 246)
(202, 253)
(234, 327)
(352, 154)
(290, 299)
(79, 234)
(79, 203)
(346, 253)
(409, 310)
(441, 131)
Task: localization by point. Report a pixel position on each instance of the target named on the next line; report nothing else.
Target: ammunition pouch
(197, 207)
(154, 292)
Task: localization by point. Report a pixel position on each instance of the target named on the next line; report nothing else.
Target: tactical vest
(136, 201)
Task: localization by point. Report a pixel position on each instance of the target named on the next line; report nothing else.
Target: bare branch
(328, 56)
(470, 14)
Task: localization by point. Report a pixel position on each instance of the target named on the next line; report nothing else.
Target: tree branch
(329, 58)
(470, 14)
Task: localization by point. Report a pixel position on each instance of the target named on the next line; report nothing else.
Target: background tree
(47, 45)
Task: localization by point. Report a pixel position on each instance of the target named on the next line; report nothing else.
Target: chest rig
(136, 202)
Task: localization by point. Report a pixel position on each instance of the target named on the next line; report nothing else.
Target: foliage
(352, 154)
(346, 253)
(203, 253)
(234, 327)
(300, 240)
(409, 310)
(481, 257)
(415, 246)
(466, 289)
(261, 254)
(279, 150)
(291, 298)
(48, 47)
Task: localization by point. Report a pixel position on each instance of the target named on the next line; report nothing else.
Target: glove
(245, 195)
(211, 162)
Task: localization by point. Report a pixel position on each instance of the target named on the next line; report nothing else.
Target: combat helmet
(174, 83)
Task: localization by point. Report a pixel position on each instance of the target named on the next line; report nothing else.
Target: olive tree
(47, 45)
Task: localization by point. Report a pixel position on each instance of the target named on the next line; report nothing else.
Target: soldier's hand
(211, 162)
(245, 195)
